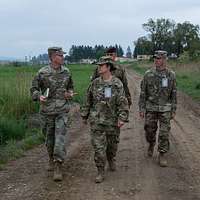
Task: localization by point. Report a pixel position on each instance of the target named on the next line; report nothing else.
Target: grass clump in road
(15, 149)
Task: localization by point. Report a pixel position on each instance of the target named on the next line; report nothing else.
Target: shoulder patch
(66, 69)
(117, 82)
(96, 80)
(149, 72)
(174, 73)
(119, 66)
(44, 69)
(171, 72)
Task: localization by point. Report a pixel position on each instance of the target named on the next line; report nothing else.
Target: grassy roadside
(16, 105)
(15, 149)
(188, 76)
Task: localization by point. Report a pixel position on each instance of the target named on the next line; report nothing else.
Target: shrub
(11, 129)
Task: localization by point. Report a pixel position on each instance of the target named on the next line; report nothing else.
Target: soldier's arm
(142, 98)
(85, 109)
(174, 95)
(122, 103)
(126, 89)
(95, 74)
(69, 93)
(70, 86)
(36, 88)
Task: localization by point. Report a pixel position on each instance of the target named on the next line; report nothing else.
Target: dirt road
(138, 177)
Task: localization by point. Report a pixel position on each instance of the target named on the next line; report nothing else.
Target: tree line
(77, 53)
(178, 39)
(166, 34)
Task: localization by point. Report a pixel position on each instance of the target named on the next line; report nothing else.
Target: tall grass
(188, 77)
(15, 100)
(11, 129)
(81, 77)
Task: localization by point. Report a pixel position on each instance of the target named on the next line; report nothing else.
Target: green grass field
(188, 76)
(81, 77)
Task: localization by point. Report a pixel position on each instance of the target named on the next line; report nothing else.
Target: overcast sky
(29, 27)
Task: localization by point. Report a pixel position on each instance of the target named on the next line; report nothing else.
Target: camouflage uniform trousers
(105, 144)
(151, 126)
(55, 129)
(43, 125)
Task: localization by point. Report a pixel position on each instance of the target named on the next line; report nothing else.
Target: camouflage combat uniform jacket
(120, 73)
(105, 104)
(158, 91)
(58, 83)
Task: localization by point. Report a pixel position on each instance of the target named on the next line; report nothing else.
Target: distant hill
(4, 58)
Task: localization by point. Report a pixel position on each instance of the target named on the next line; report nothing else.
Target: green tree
(76, 53)
(185, 37)
(160, 33)
(128, 52)
(143, 46)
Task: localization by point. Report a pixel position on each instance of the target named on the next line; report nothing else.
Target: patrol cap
(111, 50)
(106, 60)
(57, 50)
(160, 54)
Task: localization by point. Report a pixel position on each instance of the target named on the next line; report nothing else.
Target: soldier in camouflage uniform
(53, 88)
(107, 109)
(119, 72)
(157, 103)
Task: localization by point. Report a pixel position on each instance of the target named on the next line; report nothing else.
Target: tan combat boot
(150, 150)
(100, 176)
(50, 166)
(112, 165)
(162, 160)
(58, 172)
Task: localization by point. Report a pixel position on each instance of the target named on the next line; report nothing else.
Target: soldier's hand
(120, 124)
(69, 94)
(43, 99)
(84, 121)
(173, 115)
(141, 115)
(129, 104)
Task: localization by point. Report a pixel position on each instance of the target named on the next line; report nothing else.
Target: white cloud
(33, 25)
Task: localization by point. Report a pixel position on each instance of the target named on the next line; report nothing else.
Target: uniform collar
(160, 73)
(105, 81)
(51, 69)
